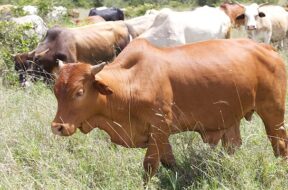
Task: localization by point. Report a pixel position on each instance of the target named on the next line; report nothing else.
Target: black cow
(109, 14)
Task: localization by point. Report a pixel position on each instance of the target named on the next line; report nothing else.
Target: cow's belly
(278, 34)
(217, 116)
(211, 108)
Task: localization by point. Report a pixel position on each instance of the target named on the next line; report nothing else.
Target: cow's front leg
(158, 150)
(167, 158)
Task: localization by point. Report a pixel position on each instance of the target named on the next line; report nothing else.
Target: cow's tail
(132, 33)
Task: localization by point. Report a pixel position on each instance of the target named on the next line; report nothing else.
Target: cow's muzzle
(62, 129)
(251, 27)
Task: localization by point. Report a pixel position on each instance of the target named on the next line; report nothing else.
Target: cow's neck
(120, 82)
(118, 115)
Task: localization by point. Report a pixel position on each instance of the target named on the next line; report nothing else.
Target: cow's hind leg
(231, 139)
(273, 118)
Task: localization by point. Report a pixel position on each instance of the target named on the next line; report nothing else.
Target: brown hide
(92, 44)
(89, 20)
(233, 11)
(149, 93)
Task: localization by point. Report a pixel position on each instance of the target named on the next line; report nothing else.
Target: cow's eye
(80, 93)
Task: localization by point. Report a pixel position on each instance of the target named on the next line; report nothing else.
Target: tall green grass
(31, 157)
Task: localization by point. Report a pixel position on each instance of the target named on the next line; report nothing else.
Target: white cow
(172, 28)
(39, 26)
(266, 23)
(141, 24)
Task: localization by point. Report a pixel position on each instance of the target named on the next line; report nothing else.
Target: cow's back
(103, 37)
(142, 23)
(175, 28)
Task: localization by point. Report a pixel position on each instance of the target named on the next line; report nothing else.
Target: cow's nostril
(60, 128)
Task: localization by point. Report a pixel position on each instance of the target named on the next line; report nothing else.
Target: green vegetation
(13, 40)
(125, 3)
(31, 157)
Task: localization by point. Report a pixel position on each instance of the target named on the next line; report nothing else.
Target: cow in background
(109, 14)
(266, 23)
(23, 66)
(28, 71)
(91, 44)
(141, 24)
(233, 10)
(172, 28)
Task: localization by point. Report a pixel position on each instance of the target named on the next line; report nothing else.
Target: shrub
(13, 40)
(132, 11)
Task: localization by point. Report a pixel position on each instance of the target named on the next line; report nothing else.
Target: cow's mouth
(62, 129)
(251, 27)
(85, 127)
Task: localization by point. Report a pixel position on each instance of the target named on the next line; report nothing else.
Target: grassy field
(31, 157)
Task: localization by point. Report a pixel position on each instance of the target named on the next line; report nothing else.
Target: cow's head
(23, 64)
(233, 10)
(251, 14)
(53, 48)
(79, 94)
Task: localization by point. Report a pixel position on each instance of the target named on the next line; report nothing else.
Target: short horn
(41, 53)
(97, 68)
(60, 63)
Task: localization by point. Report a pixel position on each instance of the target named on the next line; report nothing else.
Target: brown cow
(89, 20)
(149, 93)
(91, 43)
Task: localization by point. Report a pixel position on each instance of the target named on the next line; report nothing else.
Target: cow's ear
(261, 14)
(240, 17)
(101, 87)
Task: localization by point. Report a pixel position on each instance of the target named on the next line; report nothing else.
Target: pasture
(31, 157)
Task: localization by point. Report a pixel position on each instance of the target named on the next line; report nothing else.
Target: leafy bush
(18, 11)
(44, 7)
(132, 11)
(13, 40)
